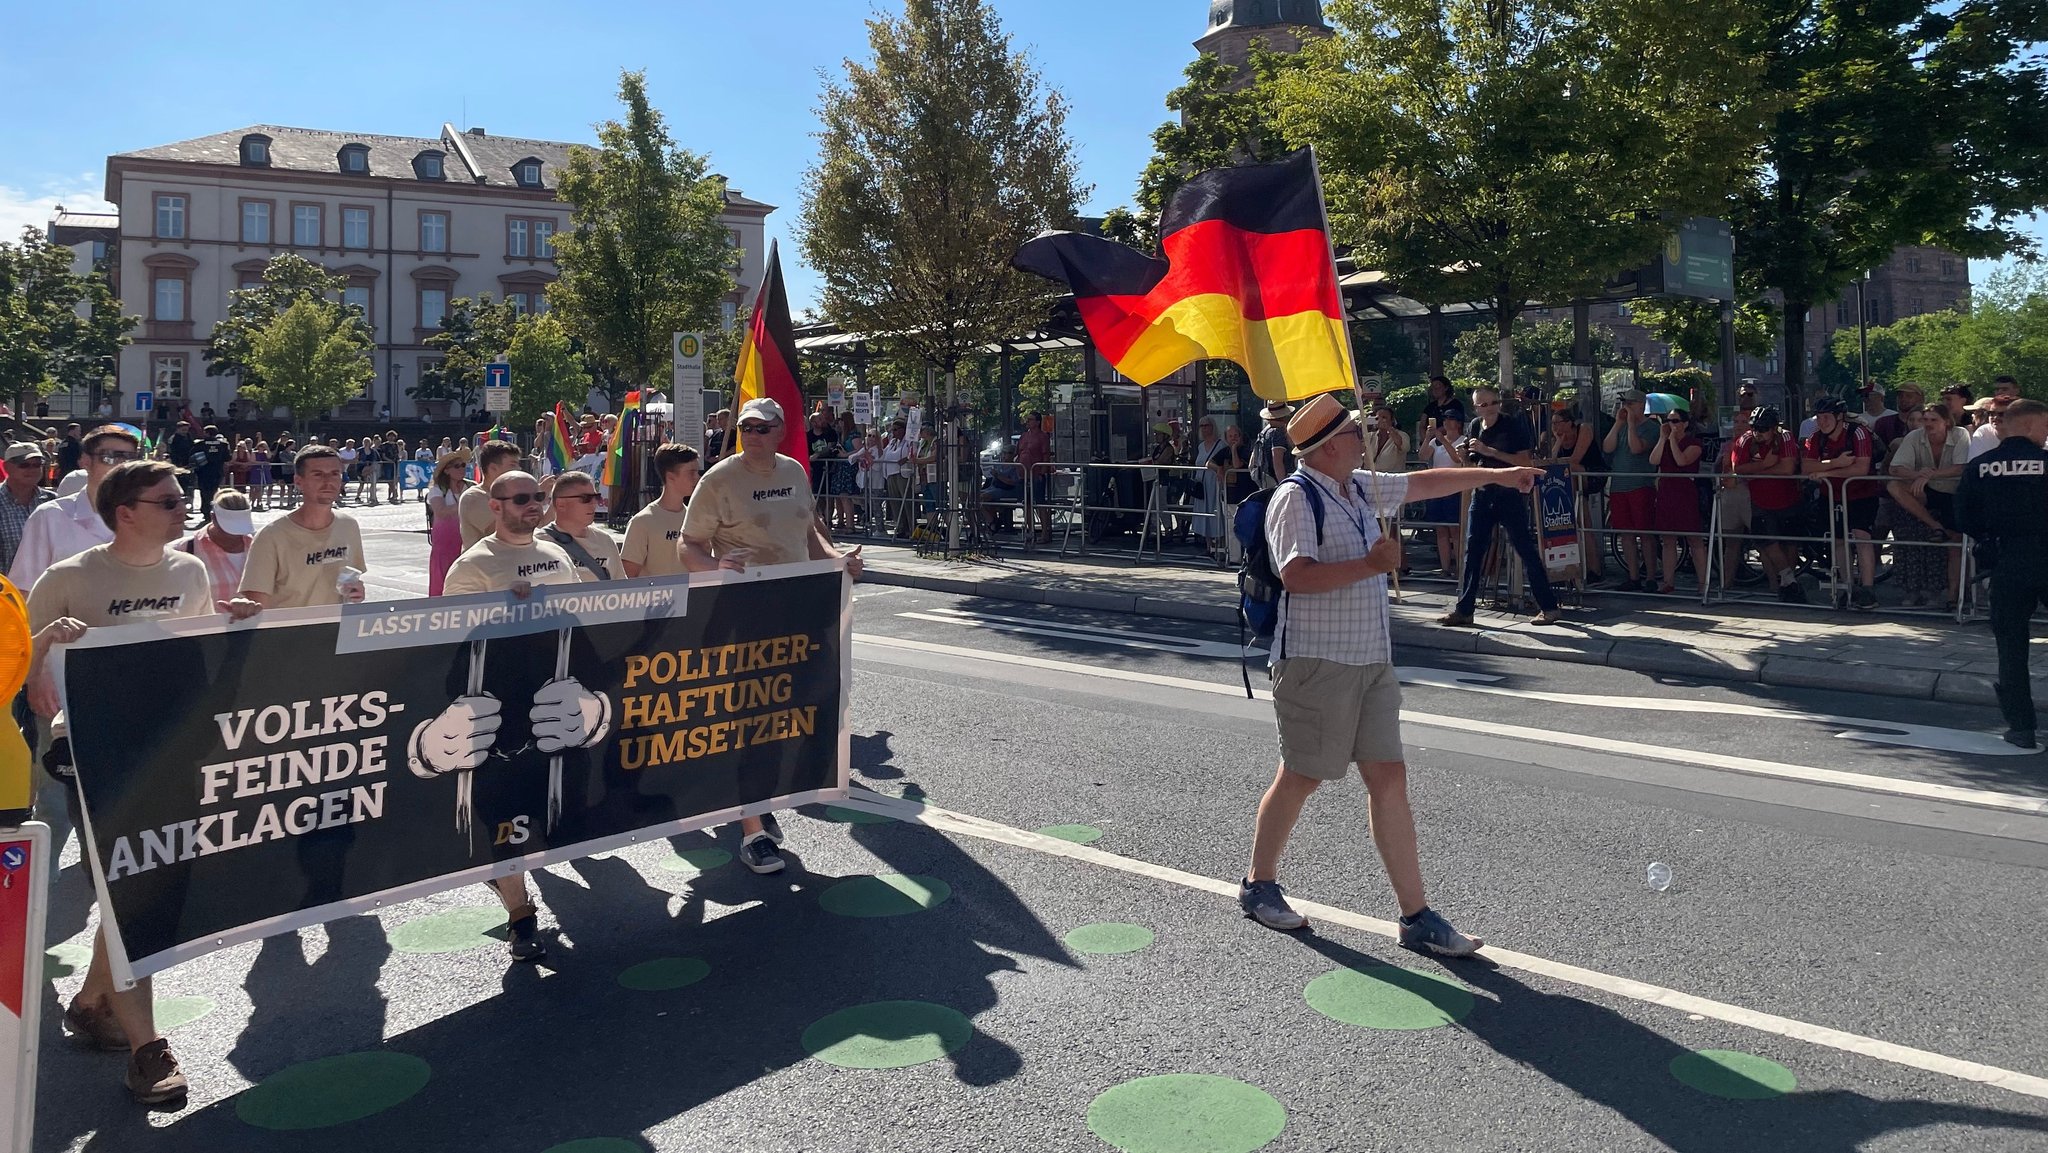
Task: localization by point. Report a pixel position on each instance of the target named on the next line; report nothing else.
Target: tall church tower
(1284, 26)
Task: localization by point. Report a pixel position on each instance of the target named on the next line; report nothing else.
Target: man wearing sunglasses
(473, 511)
(575, 529)
(1501, 442)
(130, 578)
(654, 535)
(296, 561)
(71, 524)
(755, 508)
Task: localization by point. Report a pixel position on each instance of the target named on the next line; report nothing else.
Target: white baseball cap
(761, 408)
(236, 521)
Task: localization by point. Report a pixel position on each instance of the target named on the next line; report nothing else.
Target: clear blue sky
(737, 81)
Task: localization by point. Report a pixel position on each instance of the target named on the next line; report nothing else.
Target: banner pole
(555, 761)
(465, 785)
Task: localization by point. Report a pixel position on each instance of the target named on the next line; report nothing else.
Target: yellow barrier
(17, 772)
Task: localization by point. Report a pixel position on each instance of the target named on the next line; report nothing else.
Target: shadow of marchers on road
(871, 756)
(300, 1009)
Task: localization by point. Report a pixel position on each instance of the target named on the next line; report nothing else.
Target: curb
(1645, 656)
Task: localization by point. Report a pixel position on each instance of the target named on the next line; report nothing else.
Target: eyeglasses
(111, 458)
(758, 427)
(1485, 404)
(522, 499)
(579, 497)
(166, 503)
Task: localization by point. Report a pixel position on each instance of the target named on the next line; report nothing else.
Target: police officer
(2002, 501)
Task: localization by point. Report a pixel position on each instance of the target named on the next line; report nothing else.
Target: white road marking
(1898, 734)
(1895, 786)
(944, 820)
(1124, 638)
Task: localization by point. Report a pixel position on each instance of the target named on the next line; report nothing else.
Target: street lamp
(397, 374)
(1862, 333)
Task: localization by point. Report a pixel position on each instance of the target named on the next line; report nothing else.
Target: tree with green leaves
(1220, 121)
(938, 156)
(286, 278)
(473, 333)
(1475, 354)
(1904, 122)
(1039, 389)
(546, 369)
(46, 343)
(2004, 333)
(1514, 150)
(312, 357)
(645, 256)
(1693, 327)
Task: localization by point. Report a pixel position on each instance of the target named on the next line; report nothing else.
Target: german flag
(767, 362)
(1245, 274)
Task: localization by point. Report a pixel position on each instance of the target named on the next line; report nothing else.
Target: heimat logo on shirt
(117, 608)
(527, 570)
(773, 493)
(332, 552)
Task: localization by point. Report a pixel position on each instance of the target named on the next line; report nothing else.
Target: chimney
(477, 132)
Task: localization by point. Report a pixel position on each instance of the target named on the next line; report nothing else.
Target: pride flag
(615, 454)
(560, 453)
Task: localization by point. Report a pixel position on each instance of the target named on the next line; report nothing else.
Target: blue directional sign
(144, 401)
(498, 387)
(497, 376)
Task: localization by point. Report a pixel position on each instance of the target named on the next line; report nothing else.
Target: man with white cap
(223, 543)
(1335, 695)
(25, 494)
(754, 507)
(1272, 453)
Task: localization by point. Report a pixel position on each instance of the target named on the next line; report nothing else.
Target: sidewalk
(1925, 658)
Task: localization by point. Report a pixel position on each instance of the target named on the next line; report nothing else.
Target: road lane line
(946, 820)
(1894, 733)
(1865, 782)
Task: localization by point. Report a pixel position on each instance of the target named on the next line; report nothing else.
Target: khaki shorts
(1333, 715)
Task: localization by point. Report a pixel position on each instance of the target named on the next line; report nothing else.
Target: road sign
(1699, 260)
(144, 401)
(498, 387)
(689, 348)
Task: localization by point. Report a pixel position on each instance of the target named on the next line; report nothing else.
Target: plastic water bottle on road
(1659, 878)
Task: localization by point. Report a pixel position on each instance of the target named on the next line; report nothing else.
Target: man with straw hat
(1335, 695)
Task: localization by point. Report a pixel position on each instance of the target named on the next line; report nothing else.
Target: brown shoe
(94, 1026)
(153, 1074)
(1547, 617)
(1455, 619)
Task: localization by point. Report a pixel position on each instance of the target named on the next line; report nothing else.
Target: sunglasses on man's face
(522, 499)
(166, 503)
(114, 458)
(757, 427)
(579, 497)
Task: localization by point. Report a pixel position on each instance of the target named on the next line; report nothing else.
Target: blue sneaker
(772, 827)
(758, 853)
(1266, 903)
(1430, 933)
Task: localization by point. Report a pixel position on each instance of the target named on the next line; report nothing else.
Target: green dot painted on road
(695, 861)
(1108, 937)
(469, 927)
(172, 1012)
(887, 1035)
(597, 1145)
(884, 895)
(1186, 1113)
(854, 816)
(1079, 834)
(332, 1090)
(664, 973)
(1733, 1074)
(65, 959)
(1388, 997)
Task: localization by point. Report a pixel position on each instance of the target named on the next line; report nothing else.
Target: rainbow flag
(615, 454)
(560, 453)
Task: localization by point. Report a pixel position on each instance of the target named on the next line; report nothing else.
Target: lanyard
(1358, 519)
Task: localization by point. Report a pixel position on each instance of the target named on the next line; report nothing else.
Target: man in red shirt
(1838, 451)
(1769, 461)
(1034, 452)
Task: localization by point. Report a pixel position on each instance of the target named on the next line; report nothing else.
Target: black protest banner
(246, 780)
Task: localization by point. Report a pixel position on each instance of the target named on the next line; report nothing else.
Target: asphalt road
(1902, 918)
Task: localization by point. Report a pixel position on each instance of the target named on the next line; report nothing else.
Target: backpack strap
(1314, 493)
(576, 551)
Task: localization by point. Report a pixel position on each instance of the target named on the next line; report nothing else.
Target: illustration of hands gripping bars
(463, 736)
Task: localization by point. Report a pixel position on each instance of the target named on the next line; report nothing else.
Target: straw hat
(1315, 422)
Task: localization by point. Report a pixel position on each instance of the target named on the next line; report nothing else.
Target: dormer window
(256, 150)
(355, 159)
(427, 165)
(527, 172)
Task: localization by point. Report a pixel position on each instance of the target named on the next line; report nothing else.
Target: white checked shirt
(59, 529)
(1347, 625)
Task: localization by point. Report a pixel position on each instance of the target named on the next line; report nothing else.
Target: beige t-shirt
(734, 507)
(474, 512)
(493, 566)
(601, 547)
(654, 540)
(296, 567)
(102, 590)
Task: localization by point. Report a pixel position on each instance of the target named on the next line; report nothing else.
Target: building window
(518, 301)
(355, 159)
(728, 314)
(515, 237)
(1912, 264)
(255, 151)
(255, 222)
(1770, 366)
(357, 296)
(540, 302)
(544, 239)
(427, 166)
(529, 173)
(99, 251)
(306, 225)
(1948, 266)
(249, 280)
(355, 228)
(433, 232)
(1841, 312)
(170, 217)
(170, 299)
(433, 307)
(167, 376)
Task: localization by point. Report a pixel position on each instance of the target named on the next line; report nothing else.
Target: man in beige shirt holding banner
(755, 508)
(305, 557)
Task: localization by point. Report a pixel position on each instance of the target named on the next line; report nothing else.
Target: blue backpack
(1259, 590)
